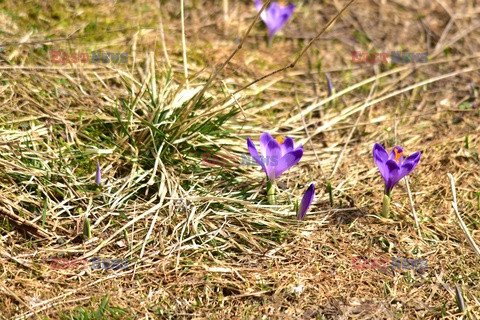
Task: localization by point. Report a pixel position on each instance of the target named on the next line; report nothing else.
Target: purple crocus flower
(306, 202)
(279, 155)
(392, 167)
(98, 175)
(330, 87)
(275, 16)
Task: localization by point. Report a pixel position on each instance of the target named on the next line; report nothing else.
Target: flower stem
(386, 206)
(271, 192)
(295, 207)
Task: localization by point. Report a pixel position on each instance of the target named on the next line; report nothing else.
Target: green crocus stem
(269, 41)
(295, 207)
(386, 206)
(271, 192)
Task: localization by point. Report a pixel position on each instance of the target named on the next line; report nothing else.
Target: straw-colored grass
(202, 241)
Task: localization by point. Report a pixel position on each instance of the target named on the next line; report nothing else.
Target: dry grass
(202, 242)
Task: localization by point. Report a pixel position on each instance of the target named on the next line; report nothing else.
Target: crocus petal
(397, 173)
(393, 175)
(287, 146)
(392, 166)
(306, 202)
(264, 140)
(274, 153)
(277, 16)
(254, 153)
(380, 156)
(409, 164)
(329, 84)
(274, 162)
(258, 6)
(288, 11)
(288, 161)
(380, 153)
(98, 175)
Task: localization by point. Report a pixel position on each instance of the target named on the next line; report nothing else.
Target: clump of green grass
(103, 312)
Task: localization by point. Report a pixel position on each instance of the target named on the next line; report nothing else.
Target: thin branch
(292, 64)
(412, 204)
(414, 212)
(462, 224)
(220, 69)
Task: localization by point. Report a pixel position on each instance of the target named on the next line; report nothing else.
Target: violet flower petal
(288, 161)
(306, 202)
(258, 6)
(276, 157)
(275, 16)
(287, 146)
(380, 156)
(264, 140)
(410, 163)
(397, 173)
(329, 84)
(274, 154)
(254, 153)
(393, 175)
(392, 166)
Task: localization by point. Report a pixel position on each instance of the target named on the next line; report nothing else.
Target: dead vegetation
(201, 241)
